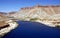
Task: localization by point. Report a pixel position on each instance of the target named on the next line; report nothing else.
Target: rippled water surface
(33, 30)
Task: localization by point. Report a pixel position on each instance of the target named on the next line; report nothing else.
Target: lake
(28, 29)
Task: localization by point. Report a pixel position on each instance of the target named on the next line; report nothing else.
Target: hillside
(46, 12)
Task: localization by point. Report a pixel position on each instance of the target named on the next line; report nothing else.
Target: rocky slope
(46, 12)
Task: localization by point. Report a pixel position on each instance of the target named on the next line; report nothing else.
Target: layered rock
(49, 12)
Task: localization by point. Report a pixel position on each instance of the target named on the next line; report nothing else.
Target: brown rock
(2, 24)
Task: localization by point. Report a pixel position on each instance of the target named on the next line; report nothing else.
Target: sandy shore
(12, 25)
(49, 23)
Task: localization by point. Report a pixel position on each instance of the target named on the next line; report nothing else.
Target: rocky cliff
(46, 12)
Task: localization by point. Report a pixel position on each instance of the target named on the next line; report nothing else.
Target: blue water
(33, 30)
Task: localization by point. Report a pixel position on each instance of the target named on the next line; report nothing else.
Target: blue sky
(15, 5)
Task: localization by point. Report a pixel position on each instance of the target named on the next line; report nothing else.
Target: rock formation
(47, 12)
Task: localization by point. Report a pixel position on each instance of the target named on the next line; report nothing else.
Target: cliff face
(39, 12)
(48, 9)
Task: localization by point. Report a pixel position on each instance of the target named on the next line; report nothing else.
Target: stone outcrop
(48, 12)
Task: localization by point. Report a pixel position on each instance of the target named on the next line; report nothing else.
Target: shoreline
(12, 25)
(49, 23)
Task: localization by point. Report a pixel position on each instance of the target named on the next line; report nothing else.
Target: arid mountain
(51, 10)
(12, 12)
(48, 12)
(3, 13)
(37, 11)
(9, 14)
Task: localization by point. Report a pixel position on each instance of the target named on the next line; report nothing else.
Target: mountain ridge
(38, 11)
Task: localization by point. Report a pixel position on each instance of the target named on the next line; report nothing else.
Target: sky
(15, 5)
